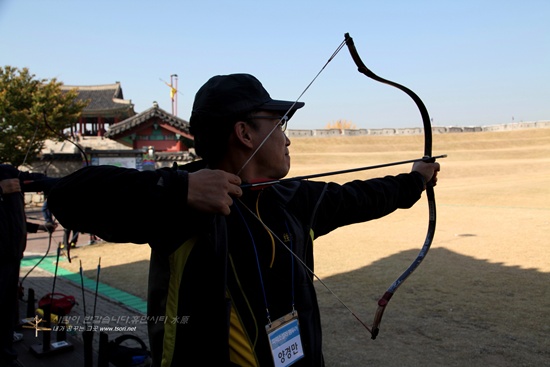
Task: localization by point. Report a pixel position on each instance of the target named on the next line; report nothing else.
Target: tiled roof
(118, 129)
(104, 99)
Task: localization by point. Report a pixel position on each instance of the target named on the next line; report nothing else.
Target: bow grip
(428, 159)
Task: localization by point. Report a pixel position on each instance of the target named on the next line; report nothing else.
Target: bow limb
(383, 302)
(84, 156)
(82, 152)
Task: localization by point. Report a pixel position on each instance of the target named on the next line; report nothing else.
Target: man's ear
(242, 132)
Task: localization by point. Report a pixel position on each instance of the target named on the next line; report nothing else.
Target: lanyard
(260, 274)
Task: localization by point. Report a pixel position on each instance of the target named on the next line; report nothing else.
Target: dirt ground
(480, 298)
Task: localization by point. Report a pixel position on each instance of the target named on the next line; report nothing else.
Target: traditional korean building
(164, 137)
(110, 132)
(106, 107)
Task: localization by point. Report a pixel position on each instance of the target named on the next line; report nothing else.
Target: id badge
(285, 341)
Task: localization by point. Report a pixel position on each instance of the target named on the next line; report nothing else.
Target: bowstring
(342, 44)
(44, 117)
(30, 145)
(305, 266)
(23, 195)
(338, 49)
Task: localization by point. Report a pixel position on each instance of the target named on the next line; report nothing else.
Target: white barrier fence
(416, 130)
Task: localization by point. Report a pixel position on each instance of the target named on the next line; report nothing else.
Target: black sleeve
(32, 227)
(360, 201)
(122, 205)
(28, 178)
(38, 184)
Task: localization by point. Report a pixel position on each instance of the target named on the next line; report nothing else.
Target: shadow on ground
(453, 311)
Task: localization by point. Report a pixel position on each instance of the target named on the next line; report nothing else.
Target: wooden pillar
(98, 125)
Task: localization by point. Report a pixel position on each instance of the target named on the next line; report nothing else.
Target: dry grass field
(482, 295)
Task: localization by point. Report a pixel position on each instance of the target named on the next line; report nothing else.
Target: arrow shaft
(340, 172)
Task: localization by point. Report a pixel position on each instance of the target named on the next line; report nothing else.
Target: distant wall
(36, 199)
(416, 130)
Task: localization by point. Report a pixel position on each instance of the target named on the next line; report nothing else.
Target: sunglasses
(283, 120)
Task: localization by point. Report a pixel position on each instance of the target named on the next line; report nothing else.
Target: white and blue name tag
(285, 341)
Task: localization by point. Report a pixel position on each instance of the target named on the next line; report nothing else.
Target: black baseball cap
(235, 95)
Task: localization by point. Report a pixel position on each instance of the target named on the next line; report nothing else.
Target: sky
(472, 62)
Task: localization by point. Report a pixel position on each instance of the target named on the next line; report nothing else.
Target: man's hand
(212, 191)
(10, 185)
(428, 171)
(50, 227)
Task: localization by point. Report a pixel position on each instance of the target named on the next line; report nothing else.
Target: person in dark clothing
(13, 239)
(229, 280)
(46, 213)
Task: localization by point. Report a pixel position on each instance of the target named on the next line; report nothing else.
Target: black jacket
(210, 271)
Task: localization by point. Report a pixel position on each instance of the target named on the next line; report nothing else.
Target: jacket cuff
(420, 180)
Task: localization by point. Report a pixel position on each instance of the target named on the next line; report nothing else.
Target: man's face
(272, 159)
